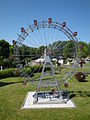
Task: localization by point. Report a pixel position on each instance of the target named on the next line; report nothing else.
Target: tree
(68, 49)
(56, 49)
(11, 50)
(88, 49)
(4, 49)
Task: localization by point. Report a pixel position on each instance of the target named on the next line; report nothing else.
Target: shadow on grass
(79, 93)
(83, 81)
(4, 83)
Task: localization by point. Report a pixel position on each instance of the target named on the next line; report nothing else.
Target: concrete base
(45, 103)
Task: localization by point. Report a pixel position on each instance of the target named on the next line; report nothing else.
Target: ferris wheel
(57, 42)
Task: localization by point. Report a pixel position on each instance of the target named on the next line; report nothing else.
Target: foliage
(68, 51)
(6, 63)
(89, 49)
(55, 48)
(36, 68)
(4, 49)
(30, 53)
(11, 72)
(11, 50)
(7, 73)
(31, 70)
(69, 48)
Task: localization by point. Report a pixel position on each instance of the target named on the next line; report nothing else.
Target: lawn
(12, 95)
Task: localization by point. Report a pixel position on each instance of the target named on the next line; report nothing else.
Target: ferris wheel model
(47, 34)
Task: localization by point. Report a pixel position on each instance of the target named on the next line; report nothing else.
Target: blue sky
(15, 14)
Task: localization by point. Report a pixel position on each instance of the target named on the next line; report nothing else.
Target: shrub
(36, 69)
(26, 71)
(30, 70)
(11, 72)
(7, 64)
(80, 76)
(6, 73)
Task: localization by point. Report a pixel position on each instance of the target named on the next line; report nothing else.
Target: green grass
(12, 95)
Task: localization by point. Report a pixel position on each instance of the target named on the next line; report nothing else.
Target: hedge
(7, 73)
(12, 72)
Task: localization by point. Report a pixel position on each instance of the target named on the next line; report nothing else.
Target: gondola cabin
(14, 42)
(75, 34)
(49, 20)
(81, 47)
(22, 30)
(63, 24)
(65, 85)
(35, 22)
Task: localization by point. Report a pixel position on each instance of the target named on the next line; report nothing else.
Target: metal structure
(38, 27)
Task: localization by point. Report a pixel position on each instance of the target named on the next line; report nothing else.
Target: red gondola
(63, 24)
(65, 85)
(81, 47)
(14, 42)
(49, 20)
(22, 30)
(75, 34)
(35, 22)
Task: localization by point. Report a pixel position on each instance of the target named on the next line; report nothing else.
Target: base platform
(45, 103)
